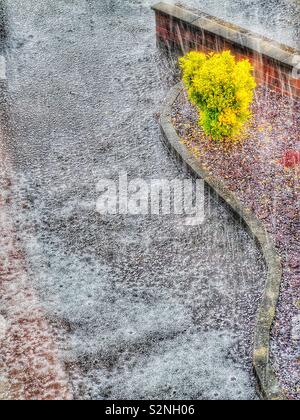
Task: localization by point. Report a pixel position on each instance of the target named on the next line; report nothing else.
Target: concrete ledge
(268, 385)
(183, 29)
(181, 13)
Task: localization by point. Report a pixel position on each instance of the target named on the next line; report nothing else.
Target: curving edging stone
(268, 384)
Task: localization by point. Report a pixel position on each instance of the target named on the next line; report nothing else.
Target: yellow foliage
(222, 89)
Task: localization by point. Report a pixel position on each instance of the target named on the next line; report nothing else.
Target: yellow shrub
(222, 89)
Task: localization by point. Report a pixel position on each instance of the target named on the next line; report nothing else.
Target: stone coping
(268, 384)
(280, 53)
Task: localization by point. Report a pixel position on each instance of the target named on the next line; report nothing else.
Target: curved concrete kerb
(268, 384)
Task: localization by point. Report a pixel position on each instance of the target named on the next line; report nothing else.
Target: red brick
(295, 83)
(163, 34)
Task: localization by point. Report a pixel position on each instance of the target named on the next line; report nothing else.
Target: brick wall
(182, 30)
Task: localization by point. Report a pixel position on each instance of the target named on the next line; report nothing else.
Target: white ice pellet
(296, 328)
(3, 327)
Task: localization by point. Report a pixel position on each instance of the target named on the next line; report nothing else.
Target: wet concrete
(141, 307)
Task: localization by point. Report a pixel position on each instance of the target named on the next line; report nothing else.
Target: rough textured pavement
(139, 307)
